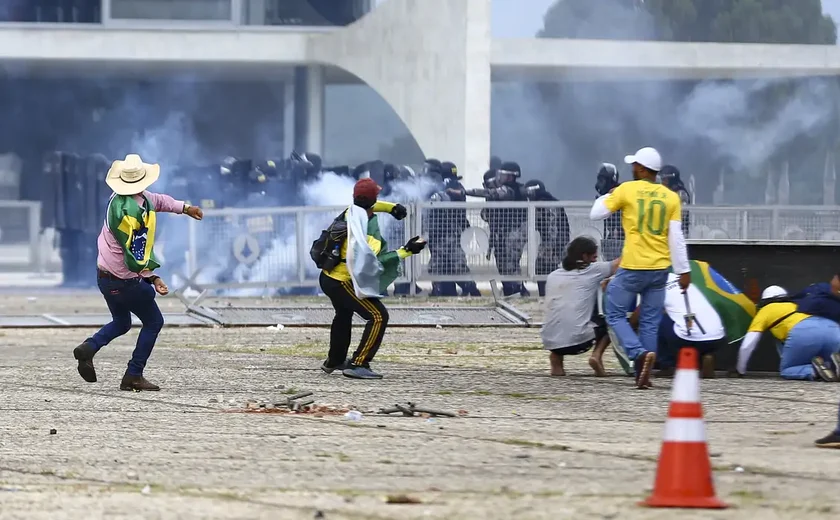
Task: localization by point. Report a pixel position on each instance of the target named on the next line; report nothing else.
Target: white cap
(772, 292)
(647, 157)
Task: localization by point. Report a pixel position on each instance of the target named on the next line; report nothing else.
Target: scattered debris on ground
(413, 410)
(402, 499)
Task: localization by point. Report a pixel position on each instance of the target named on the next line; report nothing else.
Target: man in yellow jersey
(341, 285)
(651, 216)
(807, 341)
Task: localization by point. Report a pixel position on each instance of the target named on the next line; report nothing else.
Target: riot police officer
(71, 237)
(552, 224)
(670, 176)
(508, 226)
(232, 187)
(444, 228)
(613, 232)
(432, 166)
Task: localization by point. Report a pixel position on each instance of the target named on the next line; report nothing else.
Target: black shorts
(574, 349)
(600, 325)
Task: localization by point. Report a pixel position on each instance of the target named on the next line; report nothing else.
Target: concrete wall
(753, 267)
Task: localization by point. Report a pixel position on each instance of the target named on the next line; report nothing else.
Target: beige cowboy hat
(131, 176)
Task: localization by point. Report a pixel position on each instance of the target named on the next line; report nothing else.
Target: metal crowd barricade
(22, 243)
(251, 250)
(263, 248)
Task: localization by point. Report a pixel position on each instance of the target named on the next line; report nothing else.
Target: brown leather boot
(137, 383)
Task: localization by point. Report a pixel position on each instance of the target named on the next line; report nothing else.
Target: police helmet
(234, 166)
(495, 162)
(534, 187)
(431, 166)
(449, 170)
(258, 176)
(607, 178)
(535, 184)
(407, 172)
(361, 171)
(313, 162)
(391, 172)
(509, 168)
(267, 168)
(489, 176)
(670, 176)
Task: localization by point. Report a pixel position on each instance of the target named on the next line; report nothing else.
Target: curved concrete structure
(431, 60)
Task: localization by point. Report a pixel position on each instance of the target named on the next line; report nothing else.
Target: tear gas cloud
(561, 133)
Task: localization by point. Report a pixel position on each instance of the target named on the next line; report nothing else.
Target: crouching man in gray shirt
(570, 297)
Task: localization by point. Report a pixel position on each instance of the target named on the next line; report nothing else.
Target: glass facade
(317, 13)
(216, 10)
(301, 13)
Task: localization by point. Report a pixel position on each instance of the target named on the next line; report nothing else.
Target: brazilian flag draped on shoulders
(371, 272)
(734, 308)
(390, 260)
(134, 228)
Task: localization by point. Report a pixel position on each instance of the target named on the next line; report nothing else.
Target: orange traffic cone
(684, 474)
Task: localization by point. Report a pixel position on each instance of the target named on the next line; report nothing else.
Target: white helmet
(774, 291)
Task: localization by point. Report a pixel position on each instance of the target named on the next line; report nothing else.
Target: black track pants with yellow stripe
(346, 303)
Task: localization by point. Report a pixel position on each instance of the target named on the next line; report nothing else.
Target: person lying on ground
(570, 297)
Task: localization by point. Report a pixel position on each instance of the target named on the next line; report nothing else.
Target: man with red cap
(355, 284)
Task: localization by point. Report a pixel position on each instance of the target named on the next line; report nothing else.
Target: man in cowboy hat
(125, 266)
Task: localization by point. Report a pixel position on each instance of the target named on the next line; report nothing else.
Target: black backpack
(326, 250)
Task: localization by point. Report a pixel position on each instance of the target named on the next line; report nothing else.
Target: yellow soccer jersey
(647, 209)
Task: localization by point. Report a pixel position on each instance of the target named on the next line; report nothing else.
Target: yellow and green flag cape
(134, 228)
(734, 308)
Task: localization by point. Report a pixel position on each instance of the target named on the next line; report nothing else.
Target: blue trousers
(124, 298)
(809, 338)
(621, 298)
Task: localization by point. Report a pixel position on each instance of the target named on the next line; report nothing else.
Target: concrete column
(430, 60)
(308, 95)
(288, 118)
(315, 112)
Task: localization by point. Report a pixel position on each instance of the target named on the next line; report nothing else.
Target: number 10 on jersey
(651, 216)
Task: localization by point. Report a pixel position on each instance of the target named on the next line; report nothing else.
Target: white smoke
(278, 263)
(725, 114)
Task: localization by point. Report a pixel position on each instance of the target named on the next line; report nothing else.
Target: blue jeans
(125, 297)
(621, 297)
(670, 344)
(808, 339)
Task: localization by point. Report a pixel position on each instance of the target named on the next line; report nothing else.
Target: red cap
(366, 188)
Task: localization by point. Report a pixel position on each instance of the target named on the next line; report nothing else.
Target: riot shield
(74, 192)
(50, 189)
(101, 165)
(61, 191)
(94, 180)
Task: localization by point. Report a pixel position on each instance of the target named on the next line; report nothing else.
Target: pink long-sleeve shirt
(111, 257)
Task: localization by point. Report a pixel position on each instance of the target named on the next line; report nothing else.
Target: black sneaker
(84, 354)
(360, 372)
(643, 364)
(329, 370)
(822, 371)
(832, 440)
